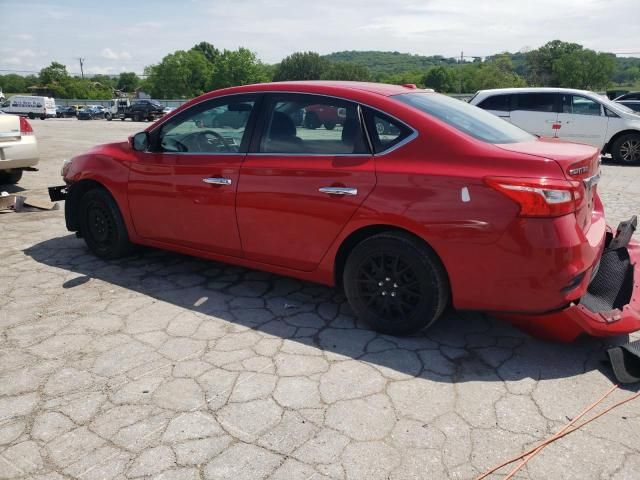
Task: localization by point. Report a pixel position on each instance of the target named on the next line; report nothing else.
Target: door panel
(170, 202)
(582, 120)
(283, 217)
(536, 113)
(184, 191)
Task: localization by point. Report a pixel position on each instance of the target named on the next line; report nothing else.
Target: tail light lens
(25, 127)
(539, 197)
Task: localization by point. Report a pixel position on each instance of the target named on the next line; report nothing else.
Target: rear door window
(311, 125)
(385, 132)
(501, 103)
(536, 102)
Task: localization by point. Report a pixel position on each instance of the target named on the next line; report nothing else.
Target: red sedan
(417, 201)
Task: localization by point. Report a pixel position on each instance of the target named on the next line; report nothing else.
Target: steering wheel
(204, 140)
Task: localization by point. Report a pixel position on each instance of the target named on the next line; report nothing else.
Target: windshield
(620, 106)
(468, 119)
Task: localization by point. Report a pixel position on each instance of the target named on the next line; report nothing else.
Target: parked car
(30, 106)
(18, 148)
(574, 115)
(66, 112)
(144, 110)
(91, 113)
(457, 207)
(321, 115)
(628, 96)
(630, 104)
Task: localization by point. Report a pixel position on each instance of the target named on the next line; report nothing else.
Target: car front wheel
(102, 226)
(626, 149)
(395, 283)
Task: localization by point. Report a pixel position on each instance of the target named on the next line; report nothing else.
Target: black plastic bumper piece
(612, 286)
(625, 361)
(58, 193)
(624, 232)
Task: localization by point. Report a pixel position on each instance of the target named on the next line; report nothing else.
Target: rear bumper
(620, 275)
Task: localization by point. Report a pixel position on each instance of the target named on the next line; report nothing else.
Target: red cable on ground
(535, 452)
(562, 432)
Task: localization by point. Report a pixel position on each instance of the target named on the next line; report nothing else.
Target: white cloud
(22, 36)
(110, 54)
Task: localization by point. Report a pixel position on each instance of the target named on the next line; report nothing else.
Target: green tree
(540, 62)
(301, 66)
(441, 79)
(181, 74)
(210, 52)
(54, 73)
(14, 83)
(346, 71)
(237, 67)
(128, 81)
(584, 69)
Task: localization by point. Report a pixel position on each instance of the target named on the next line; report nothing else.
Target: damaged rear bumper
(612, 303)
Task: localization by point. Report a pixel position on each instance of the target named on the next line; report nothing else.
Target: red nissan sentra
(416, 201)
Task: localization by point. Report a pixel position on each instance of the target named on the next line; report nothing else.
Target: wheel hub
(389, 286)
(630, 151)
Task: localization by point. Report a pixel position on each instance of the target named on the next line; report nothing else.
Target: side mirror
(139, 142)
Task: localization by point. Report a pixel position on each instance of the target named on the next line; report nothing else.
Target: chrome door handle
(339, 190)
(555, 121)
(217, 181)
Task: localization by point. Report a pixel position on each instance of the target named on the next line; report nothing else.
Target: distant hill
(389, 62)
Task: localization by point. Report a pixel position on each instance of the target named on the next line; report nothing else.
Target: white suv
(574, 115)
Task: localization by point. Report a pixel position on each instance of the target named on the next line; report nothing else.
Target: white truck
(30, 106)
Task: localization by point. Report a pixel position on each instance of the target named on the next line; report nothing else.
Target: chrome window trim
(400, 144)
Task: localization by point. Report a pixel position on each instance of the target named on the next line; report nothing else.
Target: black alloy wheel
(395, 283)
(102, 226)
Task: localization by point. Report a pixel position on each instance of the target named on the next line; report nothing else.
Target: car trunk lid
(579, 163)
(9, 128)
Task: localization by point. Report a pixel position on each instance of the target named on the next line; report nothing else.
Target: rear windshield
(468, 119)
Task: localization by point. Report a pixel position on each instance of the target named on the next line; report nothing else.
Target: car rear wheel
(311, 121)
(10, 178)
(626, 149)
(102, 226)
(31, 116)
(329, 125)
(395, 283)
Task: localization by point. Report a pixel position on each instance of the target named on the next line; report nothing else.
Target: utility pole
(81, 65)
(461, 60)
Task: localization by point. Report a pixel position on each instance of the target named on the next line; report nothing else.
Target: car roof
(534, 90)
(323, 86)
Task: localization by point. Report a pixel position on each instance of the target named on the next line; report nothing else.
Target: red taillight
(540, 197)
(25, 127)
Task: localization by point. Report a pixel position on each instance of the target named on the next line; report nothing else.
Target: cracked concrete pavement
(170, 367)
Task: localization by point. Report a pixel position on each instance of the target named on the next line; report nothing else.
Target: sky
(115, 35)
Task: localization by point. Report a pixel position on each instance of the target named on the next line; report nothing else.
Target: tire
(31, 116)
(626, 149)
(43, 117)
(101, 225)
(108, 117)
(10, 178)
(329, 125)
(122, 118)
(311, 121)
(395, 283)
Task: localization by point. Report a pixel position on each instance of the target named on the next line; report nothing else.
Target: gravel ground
(165, 366)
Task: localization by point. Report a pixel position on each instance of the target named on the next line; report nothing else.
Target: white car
(18, 148)
(574, 115)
